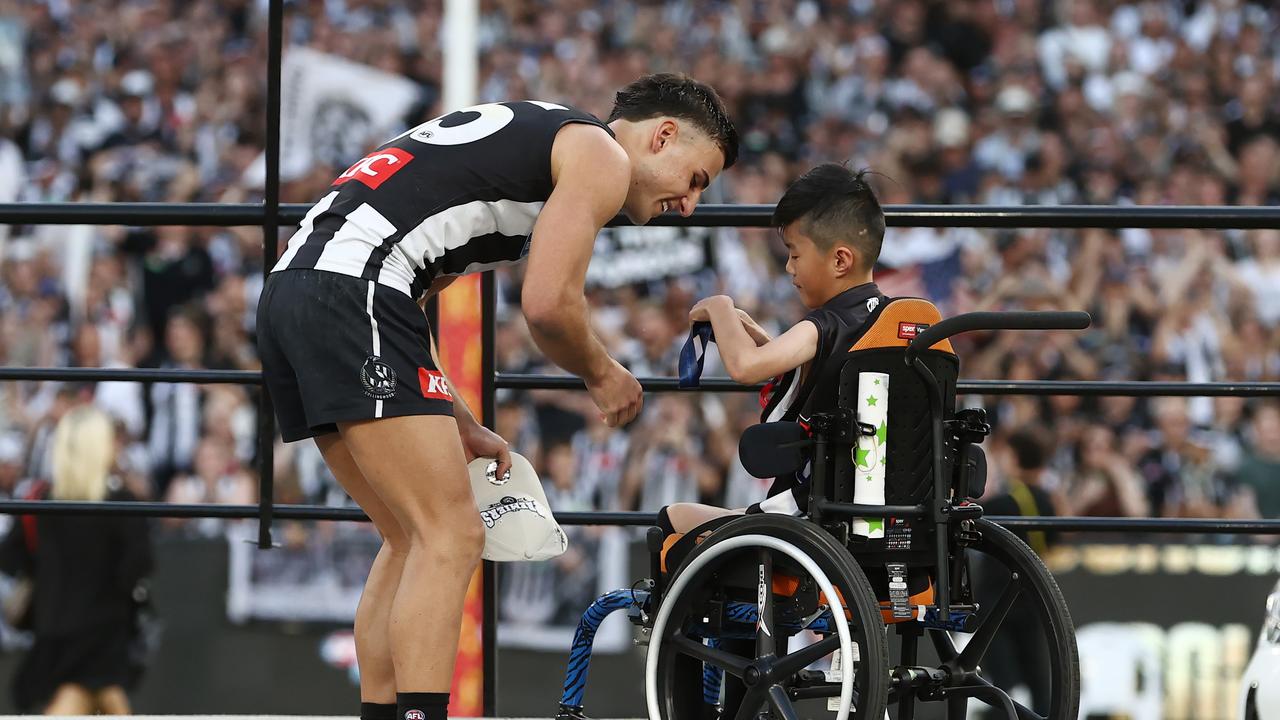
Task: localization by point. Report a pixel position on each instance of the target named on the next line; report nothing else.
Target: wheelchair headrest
(897, 322)
(771, 449)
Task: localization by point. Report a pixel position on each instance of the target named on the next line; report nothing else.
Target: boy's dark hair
(679, 96)
(835, 205)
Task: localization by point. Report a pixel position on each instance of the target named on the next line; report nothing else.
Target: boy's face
(808, 266)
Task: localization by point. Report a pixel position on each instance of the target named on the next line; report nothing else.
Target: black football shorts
(337, 348)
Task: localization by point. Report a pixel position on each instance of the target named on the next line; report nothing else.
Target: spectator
(1020, 102)
(1261, 465)
(1104, 482)
(217, 478)
(1181, 475)
(84, 572)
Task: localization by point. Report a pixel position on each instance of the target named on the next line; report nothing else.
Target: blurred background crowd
(959, 101)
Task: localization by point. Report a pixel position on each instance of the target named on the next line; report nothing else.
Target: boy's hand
(702, 311)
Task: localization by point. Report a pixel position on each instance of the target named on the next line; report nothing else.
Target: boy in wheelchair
(833, 227)
(722, 584)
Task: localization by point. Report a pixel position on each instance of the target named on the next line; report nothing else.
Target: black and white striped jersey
(455, 195)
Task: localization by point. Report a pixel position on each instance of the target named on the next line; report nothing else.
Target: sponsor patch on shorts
(433, 385)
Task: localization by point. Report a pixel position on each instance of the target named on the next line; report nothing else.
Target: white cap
(518, 524)
(1015, 99)
(136, 83)
(65, 92)
(951, 127)
(1129, 83)
(10, 447)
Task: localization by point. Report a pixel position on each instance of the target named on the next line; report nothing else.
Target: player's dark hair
(834, 205)
(679, 96)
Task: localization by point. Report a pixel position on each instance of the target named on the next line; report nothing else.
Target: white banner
(626, 255)
(334, 111)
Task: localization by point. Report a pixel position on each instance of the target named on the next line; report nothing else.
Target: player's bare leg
(373, 614)
(416, 466)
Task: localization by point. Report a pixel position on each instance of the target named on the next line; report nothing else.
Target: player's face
(806, 264)
(680, 164)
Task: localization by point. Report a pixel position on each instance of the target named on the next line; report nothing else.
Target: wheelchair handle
(1016, 320)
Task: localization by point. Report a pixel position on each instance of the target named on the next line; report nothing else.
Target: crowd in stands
(1006, 102)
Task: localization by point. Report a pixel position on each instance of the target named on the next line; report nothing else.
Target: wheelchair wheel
(727, 607)
(1023, 635)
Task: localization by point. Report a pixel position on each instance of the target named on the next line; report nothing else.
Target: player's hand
(701, 312)
(617, 394)
(480, 441)
(752, 327)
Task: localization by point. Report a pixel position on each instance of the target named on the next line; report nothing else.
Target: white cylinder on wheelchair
(871, 451)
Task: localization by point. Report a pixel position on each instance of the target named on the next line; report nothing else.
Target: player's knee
(395, 543)
(455, 539)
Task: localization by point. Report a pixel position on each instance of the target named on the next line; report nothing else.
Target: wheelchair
(765, 614)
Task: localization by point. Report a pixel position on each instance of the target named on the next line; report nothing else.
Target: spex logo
(909, 330)
(376, 167)
(433, 385)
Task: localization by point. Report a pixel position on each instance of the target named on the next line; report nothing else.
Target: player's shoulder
(586, 146)
(590, 137)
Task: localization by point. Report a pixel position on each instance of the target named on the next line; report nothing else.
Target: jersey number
(484, 121)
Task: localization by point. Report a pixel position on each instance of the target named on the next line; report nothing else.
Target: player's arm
(592, 175)
(757, 333)
(477, 440)
(747, 362)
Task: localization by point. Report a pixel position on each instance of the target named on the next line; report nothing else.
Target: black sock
(422, 706)
(377, 711)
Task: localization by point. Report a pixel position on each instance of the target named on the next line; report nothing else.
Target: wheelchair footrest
(570, 712)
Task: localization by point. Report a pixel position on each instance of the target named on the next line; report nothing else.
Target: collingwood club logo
(508, 504)
(378, 378)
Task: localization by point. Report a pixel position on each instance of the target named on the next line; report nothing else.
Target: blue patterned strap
(694, 353)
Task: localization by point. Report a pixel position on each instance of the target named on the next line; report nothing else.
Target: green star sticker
(876, 381)
(871, 401)
(868, 478)
(881, 461)
(881, 432)
(860, 457)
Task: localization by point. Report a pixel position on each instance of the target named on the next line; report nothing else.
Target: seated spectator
(1104, 482)
(1259, 471)
(218, 478)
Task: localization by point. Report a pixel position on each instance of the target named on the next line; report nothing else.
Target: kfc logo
(376, 167)
(909, 331)
(433, 385)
